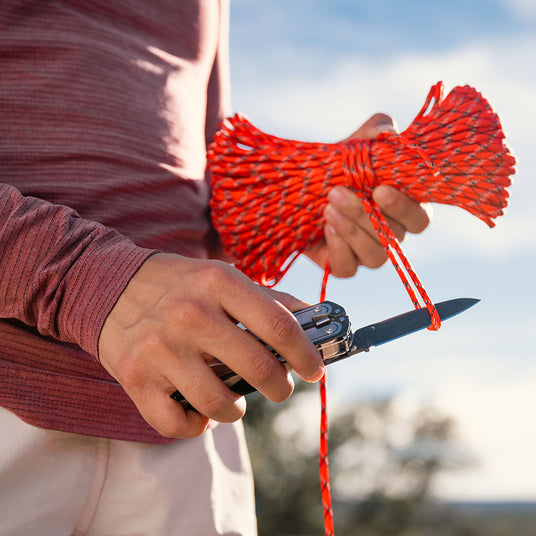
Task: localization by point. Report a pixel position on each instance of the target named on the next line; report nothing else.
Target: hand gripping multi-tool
(328, 327)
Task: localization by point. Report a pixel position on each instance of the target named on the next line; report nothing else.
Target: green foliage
(384, 460)
(286, 479)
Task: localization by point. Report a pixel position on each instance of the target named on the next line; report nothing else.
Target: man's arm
(169, 316)
(58, 272)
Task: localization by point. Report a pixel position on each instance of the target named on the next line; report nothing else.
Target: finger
(277, 327)
(343, 261)
(373, 126)
(253, 362)
(365, 246)
(350, 206)
(218, 336)
(205, 391)
(401, 208)
(318, 253)
(166, 416)
(347, 204)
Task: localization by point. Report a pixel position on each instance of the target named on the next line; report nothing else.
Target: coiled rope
(269, 193)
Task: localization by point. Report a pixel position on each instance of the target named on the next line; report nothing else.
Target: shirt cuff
(95, 283)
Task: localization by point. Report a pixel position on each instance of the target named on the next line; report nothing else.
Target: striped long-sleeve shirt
(105, 112)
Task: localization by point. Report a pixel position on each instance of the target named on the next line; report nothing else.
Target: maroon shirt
(105, 112)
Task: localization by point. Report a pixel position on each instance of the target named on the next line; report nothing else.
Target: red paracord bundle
(269, 193)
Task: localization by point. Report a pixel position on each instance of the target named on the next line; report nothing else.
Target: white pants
(56, 483)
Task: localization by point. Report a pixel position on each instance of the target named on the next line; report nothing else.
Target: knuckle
(361, 218)
(127, 369)
(350, 232)
(264, 369)
(283, 328)
(189, 313)
(217, 276)
(215, 406)
(131, 362)
(178, 430)
(221, 409)
(286, 299)
(270, 378)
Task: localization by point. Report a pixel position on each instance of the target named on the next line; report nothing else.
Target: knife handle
(326, 324)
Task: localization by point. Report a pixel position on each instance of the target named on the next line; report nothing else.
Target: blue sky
(316, 70)
(373, 26)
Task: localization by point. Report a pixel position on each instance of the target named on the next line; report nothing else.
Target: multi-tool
(328, 327)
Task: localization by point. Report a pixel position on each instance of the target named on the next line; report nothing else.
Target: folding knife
(328, 327)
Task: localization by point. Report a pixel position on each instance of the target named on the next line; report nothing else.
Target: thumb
(373, 126)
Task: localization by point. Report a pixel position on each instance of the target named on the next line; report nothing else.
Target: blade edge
(406, 323)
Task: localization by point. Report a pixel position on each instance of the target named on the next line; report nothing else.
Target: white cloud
(354, 86)
(499, 424)
(524, 8)
(462, 235)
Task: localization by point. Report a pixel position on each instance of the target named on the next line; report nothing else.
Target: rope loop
(436, 95)
(357, 167)
(421, 153)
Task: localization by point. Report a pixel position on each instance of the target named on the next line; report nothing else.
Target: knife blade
(404, 324)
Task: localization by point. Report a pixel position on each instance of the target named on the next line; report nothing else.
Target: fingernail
(387, 127)
(317, 375)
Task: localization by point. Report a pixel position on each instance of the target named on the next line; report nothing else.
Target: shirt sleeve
(58, 272)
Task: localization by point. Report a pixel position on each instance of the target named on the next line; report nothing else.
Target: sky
(315, 70)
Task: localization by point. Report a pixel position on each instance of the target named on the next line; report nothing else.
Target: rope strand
(323, 460)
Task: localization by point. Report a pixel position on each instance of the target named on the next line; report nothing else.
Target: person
(113, 291)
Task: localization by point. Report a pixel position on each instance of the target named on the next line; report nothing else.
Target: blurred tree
(384, 457)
